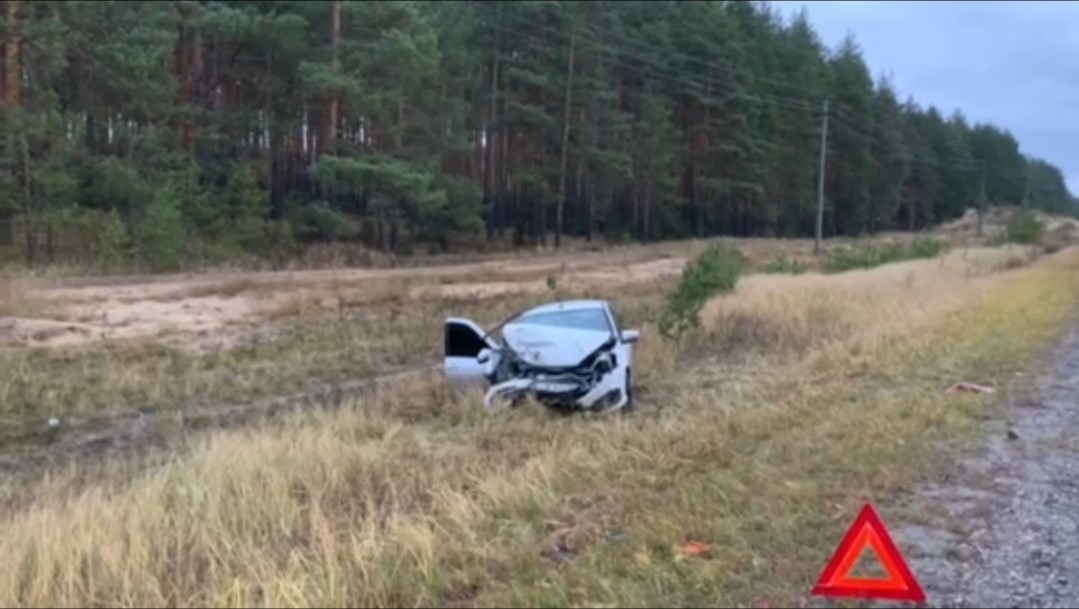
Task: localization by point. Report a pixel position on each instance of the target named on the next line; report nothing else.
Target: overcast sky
(1015, 64)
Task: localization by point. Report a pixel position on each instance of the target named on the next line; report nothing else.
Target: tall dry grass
(419, 498)
(789, 315)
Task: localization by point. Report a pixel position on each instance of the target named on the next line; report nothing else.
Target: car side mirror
(484, 356)
(630, 336)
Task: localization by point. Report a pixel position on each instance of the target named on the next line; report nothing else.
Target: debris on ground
(616, 535)
(697, 548)
(969, 388)
(1001, 532)
(559, 552)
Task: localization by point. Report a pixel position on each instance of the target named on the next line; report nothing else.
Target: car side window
(462, 341)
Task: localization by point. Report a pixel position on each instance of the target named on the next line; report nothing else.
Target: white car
(570, 353)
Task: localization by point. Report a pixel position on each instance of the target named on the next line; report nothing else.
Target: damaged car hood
(552, 347)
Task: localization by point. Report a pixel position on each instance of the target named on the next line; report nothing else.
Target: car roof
(568, 305)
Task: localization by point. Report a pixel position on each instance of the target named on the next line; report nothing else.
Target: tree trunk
(519, 232)
(333, 105)
(188, 52)
(275, 146)
(541, 222)
(492, 142)
(578, 191)
(506, 165)
(312, 137)
(399, 136)
(910, 214)
(635, 212)
(590, 212)
(10, 94)
(561, 202)
(28, 205)
(12, 60)
(50, 250)
(646, 232)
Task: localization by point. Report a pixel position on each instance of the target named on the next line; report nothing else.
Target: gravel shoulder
(1002, 528)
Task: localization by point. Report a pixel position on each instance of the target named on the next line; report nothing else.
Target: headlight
(605, 362)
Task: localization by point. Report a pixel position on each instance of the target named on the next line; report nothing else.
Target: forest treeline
(175, 131)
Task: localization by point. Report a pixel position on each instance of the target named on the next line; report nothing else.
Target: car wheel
(629, 391)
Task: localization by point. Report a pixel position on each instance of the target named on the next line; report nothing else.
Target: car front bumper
(565, 390)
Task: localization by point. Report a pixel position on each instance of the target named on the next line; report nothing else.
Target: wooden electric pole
(1026, 188)
(820, 182)
(982, 196)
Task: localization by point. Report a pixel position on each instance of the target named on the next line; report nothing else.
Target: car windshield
(581, 319)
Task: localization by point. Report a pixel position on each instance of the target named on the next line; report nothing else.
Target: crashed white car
(568, 354)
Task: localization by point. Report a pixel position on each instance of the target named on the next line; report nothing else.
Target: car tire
(629, 391)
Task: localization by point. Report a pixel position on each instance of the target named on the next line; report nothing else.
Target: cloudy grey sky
(1013, 63)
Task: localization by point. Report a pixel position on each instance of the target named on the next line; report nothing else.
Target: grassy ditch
(765, 457)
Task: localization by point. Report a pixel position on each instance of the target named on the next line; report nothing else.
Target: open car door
(465, 340)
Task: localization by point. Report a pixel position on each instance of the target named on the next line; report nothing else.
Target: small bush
(715, 271)
(785, 265)
(1025, 228)
(320, 221)
(925, 247)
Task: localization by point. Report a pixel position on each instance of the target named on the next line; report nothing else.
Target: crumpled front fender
(509, 389)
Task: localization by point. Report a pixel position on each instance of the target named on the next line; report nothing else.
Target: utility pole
(1026, 188)
(982, 196)
(820, 183)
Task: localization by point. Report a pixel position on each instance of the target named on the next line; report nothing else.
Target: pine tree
(197, 131)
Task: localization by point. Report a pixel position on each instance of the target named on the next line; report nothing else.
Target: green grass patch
(869, 255)
(784, 265)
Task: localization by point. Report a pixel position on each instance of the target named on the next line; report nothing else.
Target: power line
(922, 157)
(706, 64)
(698, 78)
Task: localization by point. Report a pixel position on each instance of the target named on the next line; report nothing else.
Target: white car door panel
(464, 342)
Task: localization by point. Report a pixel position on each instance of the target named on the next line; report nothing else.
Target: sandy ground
(199, 311)
(215, 310)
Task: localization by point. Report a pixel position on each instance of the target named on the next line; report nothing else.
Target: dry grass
(791, 314)
(419, 498)
(16, 301)
(346, 341)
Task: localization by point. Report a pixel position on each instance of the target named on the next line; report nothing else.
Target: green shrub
(281, 244)
(925, 247)
(1026, 228)
(326, 223)
(112, 241)
(785, 265)
(871, 255)
(715, 271)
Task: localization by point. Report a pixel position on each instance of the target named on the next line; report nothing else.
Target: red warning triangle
(868, 532)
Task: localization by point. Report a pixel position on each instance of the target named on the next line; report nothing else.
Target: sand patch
(118, 319)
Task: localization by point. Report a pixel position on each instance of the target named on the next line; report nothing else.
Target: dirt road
(1004, 526)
